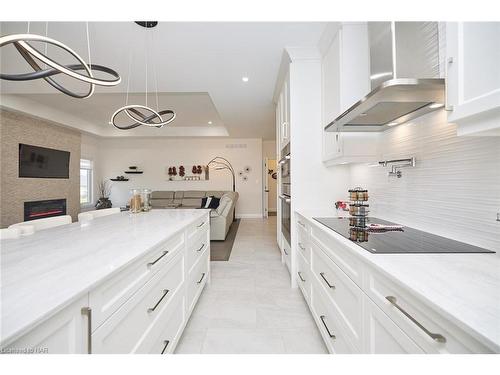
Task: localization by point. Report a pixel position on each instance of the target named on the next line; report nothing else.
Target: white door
(265, 199)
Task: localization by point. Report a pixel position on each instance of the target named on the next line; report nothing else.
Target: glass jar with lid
(136, 202)
(146, 199)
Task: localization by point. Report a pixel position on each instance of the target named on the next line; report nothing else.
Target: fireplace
(42, 209)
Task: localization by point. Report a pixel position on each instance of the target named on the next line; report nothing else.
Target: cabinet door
(473, 73)
(64, 333)
(383, 336)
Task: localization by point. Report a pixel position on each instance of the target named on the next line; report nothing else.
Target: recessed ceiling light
(244, 79)
(210, 123)
(436, 105)
(392, 124)
(362, 114)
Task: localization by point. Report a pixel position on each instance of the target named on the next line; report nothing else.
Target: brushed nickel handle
(301, 223)
(200, 225)
(165, 342)
(302, 246)
(202, 276)
(435, 336)
(331, 286)
(322, 317)
(300, 276)
(87, 311)
(202, 246)
(284, 250)
(150, 264)
(151, 309)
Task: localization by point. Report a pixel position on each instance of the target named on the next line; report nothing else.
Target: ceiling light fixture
(210, 123)
(142, 114)
(436, 105)
(30, 53)
(392, 124)
(244, 79)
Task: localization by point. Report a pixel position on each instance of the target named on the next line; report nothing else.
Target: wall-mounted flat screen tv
(41, 162)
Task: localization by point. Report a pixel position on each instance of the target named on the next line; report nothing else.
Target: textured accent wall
(18, 128)
(454, 190)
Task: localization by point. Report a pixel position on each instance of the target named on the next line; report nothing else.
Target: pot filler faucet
(396, 165)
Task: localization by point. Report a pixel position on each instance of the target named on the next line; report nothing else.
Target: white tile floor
(249, 306)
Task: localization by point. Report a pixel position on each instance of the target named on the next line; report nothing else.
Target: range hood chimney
(404, 75)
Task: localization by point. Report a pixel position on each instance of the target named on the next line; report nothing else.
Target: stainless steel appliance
(286, 193)
(405, 77)
(405, 240)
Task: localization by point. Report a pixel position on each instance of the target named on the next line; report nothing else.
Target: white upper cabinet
(473, 76)
(345, 80)
(283, 113)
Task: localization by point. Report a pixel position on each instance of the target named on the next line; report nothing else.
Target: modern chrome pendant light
(31, 54)
(138, 113)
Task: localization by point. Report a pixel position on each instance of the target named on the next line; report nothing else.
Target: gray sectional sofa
(221, 218)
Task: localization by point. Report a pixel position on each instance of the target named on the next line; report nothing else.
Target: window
(85, 182)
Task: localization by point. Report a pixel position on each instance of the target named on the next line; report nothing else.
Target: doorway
(270, 178)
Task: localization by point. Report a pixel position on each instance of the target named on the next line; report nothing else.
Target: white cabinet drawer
(197, 280)
(125, 330)
(327, 324)
(345, 297)
(339, 253)
(303, 223)
(432, 332)
(303, 243)
(303, 277)
(199, 226)
(110, 295)
(287, 255)
(383, 336)
(196, 248)
(164, 334)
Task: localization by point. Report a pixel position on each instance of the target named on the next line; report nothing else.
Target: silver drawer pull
(157, 259)
(284, 250)
(331, 286)
(151, 309)
(300, 276)
(301, 223)
(88, 312)
(322, 317)
(202, 246)
(302, 246)
(202, 276)
(435, 336)
(166, 342)
(198, 226)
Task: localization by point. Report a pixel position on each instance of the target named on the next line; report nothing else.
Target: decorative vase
(103, 203)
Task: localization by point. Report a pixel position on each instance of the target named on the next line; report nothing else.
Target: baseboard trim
(249, 216)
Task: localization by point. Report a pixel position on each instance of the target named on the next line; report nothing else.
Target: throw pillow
(207, 205)
(214, 203)
(203, 202)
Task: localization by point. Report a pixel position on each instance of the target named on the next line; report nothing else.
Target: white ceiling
(205, 60)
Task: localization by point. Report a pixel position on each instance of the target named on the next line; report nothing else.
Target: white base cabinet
(359, 310)
(142, 309)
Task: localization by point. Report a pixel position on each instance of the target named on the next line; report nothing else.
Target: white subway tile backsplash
(454, 190)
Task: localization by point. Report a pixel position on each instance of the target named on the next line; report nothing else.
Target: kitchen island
(117, 284)
(365, 302)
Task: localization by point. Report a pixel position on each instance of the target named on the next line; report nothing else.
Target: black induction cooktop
(405, 241)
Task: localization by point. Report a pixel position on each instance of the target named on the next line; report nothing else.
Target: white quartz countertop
(465, 288)
(44, 272)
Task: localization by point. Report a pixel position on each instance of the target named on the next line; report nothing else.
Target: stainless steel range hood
(404, 74)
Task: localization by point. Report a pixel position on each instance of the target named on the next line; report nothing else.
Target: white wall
(154, 155)
(453, 191)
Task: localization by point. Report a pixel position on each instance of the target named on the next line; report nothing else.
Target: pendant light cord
(129, 73)
(88, 46)
(146, 47)
(155, 75)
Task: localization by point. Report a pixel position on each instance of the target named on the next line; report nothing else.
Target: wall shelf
(134, 172)
(115, 179)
